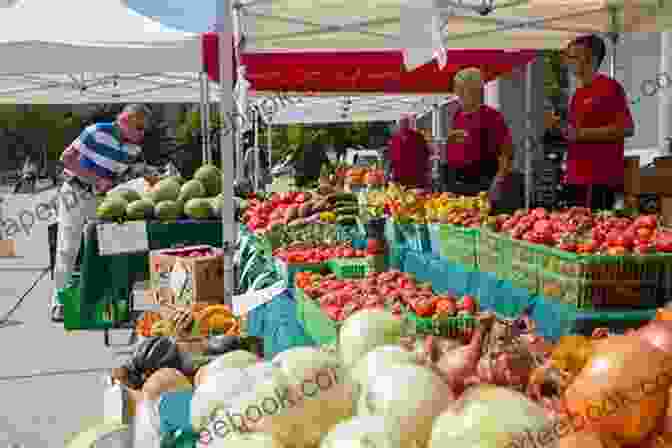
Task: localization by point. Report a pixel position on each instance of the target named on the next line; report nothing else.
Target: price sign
(128, 238)
(244, 303)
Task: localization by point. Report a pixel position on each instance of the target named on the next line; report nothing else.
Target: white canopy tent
(53, 53)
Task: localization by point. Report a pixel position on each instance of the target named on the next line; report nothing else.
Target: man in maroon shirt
(409, 156)
(599, 120)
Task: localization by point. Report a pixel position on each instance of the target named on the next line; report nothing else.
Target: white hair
(132, 109)
(470, 74)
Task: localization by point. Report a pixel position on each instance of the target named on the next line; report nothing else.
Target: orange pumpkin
(144, 324)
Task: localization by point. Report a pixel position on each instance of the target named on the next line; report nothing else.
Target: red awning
(365, 71)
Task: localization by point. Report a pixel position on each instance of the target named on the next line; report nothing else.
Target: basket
(317, 324)
(414, 236)
(489, 252)
(426, 325)
(459, 245)
(288, 271)
(346, 268)
(434, 230)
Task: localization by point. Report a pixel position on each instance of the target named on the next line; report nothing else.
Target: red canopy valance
(365, 71)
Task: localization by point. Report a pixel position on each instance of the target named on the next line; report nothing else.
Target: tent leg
(202, 116)
(529, 147)
(226, 145)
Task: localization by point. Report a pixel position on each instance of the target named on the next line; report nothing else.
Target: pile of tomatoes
(392, 290)
(579, 230)
(316, 254)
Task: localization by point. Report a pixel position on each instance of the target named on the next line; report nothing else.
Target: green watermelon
(112, 208)
(211, 177)
(168, 211)
(140, 210)
(126, 195)
(166, 190)
(192, 189)
(198, 208)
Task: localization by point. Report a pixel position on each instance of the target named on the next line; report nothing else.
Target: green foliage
(41, 126)
(553, 65)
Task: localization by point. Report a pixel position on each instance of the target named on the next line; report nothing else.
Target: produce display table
(110, 278)
(553, 318)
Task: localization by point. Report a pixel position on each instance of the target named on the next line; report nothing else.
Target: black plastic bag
(507, 194)
(154, 353)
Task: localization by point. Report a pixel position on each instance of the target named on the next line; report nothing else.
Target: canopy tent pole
(269, 146)
(204, 129)
(226, 105)
(207, 119)
(529, 132)
(257, 161)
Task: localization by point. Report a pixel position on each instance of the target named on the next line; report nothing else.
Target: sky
(193, 16)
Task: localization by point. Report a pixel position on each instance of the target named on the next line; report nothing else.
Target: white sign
(244, 303)
(115, 239)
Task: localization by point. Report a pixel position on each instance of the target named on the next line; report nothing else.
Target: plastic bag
(147, 433)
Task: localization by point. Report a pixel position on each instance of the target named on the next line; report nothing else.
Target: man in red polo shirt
(599, 120)
(409, 156)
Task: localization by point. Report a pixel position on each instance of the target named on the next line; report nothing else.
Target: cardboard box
(184, 280)
(7, 248)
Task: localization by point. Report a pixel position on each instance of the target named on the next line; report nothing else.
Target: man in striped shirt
(93, 164)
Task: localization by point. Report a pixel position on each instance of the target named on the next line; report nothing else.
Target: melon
(192, 189)
(112, 208)
(216, 204)
(211, 177)
(198, 209)
(126, 195)
(168, 211)
(139, 210)
(166, 190)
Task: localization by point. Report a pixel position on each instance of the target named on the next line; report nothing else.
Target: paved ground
(42, 411)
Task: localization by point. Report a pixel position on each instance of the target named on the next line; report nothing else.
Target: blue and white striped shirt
(103, 152)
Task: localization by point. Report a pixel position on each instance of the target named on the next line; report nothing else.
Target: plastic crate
(489, 251)
(426, 325)
(434, 230)
(345, 268)
(617, 322)
(597, 281)
(288, 271)
(315, 322)
(413, 236)
(459, 245)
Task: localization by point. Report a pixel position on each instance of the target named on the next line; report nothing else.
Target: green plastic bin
(348, 268)
(288, 271)
(459, 245)
(315, 322)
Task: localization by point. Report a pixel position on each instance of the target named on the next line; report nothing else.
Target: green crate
(288, 271)
(522, 275)
(346, 268)
(426, 325)
(317, 324)
(489, 251)
(459, 245)
(565, 289)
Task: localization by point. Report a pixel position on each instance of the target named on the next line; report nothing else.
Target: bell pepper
(423, 308)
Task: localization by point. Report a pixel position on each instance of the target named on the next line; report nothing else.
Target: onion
(302, 398)
(608, 396)
(216, 392)
(658, 333)
(366, 330)
(408, 397)
(361, 432)
(487, 417)
(375, 363)
(245, 440)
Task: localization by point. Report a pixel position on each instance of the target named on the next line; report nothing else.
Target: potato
(291, 213)
(305, 210)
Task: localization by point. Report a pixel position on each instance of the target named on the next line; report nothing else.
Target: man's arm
(607, 134)
(70, 159)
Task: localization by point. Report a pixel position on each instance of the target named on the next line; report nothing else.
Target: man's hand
(104, 184)
(457, 136)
